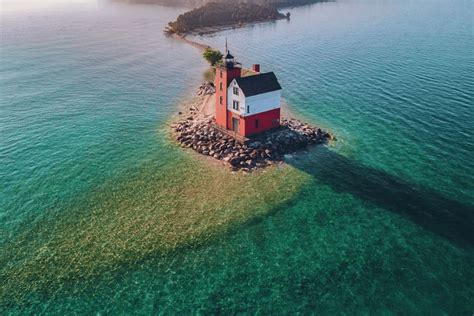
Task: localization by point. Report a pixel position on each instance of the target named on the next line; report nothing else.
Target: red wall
(247, 125)
(265, 122)
(227, 76)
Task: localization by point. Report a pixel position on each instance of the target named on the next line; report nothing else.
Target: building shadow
(427, 208)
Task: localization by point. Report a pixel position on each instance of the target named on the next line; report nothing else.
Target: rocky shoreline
(204, 137)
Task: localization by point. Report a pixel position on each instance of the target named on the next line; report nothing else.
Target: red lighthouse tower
(225, 73)
(247, 101)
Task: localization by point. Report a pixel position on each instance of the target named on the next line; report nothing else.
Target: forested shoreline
(216, 14)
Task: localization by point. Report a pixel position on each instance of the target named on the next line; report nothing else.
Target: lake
(382, 225)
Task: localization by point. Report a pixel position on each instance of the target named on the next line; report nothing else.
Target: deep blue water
(384, 227)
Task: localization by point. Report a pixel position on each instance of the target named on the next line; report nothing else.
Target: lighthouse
(247, 101)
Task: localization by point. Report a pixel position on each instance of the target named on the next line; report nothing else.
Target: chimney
(256, 67)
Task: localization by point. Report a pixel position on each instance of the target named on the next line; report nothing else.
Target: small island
(217, 14)
(237, 119)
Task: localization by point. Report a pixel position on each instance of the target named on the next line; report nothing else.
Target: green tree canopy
(213, 56)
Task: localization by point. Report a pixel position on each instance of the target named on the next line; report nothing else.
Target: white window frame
(235, 105)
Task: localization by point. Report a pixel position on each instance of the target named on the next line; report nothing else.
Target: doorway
(235, 124)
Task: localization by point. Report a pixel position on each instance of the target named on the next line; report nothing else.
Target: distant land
(199, 3)
(213, 14)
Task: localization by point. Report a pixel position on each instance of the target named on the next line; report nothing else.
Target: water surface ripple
(383, 224)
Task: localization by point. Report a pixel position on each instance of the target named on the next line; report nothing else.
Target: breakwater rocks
(266, 149)
(206, 88)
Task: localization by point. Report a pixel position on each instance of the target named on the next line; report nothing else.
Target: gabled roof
(258, 84)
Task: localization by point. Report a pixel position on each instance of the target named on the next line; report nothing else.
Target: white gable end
(238, 103)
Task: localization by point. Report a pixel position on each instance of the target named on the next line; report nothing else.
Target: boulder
(235, 161)
(271, 147)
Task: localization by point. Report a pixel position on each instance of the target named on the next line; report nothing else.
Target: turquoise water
(385, 225)
(84, 89)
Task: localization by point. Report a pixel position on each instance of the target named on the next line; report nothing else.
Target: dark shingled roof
(258, 84)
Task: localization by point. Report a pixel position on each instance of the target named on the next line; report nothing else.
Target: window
(248, 108)
(235, 105)
(220, 100)
(236, 91)
(220, 73)
(220, 86)
(256, 123)
(275, 122)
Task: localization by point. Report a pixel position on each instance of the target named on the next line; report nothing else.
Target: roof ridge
(258, 84)
(257, 74)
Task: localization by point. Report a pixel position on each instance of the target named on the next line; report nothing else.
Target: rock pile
(206, 88)
(268, 148)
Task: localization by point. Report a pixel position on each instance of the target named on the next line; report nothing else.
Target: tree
(213, 56)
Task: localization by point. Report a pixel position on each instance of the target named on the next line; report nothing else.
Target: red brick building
(247, 101)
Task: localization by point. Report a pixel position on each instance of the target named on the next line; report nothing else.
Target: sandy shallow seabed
(156, 212)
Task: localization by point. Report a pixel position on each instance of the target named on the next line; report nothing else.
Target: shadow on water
(429, 209)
